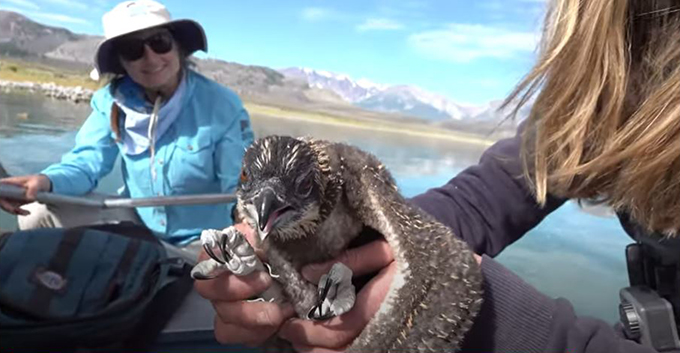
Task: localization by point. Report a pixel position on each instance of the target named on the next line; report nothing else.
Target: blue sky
(469, 51)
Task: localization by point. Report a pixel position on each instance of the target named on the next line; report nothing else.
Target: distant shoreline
(396, 128)
(75, 94)
(79, 95)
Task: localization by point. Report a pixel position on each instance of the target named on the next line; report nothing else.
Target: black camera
(650, 308)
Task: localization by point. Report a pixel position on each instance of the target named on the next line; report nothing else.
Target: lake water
(572, 254)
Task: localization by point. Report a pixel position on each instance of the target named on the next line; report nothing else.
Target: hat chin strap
(151, 134)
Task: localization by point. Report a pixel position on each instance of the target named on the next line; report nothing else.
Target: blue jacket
(200, 153)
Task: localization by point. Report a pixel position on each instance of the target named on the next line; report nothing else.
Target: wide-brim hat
(132, 16)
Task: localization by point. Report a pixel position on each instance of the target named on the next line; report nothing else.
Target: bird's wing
(436, 290)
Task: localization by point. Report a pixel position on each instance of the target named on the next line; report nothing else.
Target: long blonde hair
(605, 124)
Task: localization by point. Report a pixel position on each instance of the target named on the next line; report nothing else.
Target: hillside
(59, 52)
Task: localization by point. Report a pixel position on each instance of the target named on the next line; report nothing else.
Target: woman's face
(151, 58)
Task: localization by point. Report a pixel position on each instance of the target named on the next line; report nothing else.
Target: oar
(17, 193)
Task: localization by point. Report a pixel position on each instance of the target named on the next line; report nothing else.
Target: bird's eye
(243, 177)
(305, 187)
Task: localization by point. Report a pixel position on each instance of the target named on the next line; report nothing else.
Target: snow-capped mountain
(347, 88)
(491, 111)
(401, 99)
(413, 101)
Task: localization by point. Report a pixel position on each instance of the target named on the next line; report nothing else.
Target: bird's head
(282, 188)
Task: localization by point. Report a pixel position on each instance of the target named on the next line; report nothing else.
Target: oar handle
(9, 191)
(199, 199)
(18, 193)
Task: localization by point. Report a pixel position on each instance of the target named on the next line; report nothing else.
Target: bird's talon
(318, 313)
(207, 269)
(335, 294)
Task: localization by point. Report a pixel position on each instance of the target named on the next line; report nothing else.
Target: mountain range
(402, 99)
(411, 101)
(316, 90)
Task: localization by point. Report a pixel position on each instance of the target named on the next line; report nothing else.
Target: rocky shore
(76, 94)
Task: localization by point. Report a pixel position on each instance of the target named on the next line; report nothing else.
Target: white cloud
(69, 4)
(24, 3)
(380, 24)
(60, 18)
(47, 16)
(465, 42)
(13, 9)
(316, 13)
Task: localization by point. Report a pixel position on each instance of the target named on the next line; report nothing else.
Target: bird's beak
(268, 208)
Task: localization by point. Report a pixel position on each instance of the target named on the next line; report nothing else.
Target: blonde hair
(605, 124)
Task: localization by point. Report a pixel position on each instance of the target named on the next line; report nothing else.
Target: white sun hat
(132, 16)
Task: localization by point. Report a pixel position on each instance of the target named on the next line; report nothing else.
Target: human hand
(32, 184)
(336, 334)
(238, 321)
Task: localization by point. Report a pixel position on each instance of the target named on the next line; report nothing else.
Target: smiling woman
(178, 132)
(151, 60)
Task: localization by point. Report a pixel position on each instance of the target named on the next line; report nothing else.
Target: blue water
(571, 254)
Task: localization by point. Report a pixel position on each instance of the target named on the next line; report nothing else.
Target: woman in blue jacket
(605, 126)
(177, 131)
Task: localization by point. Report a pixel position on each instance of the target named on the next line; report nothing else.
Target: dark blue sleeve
(515, 317)
(489, 205)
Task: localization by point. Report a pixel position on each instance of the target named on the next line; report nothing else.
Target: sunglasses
(131, 49)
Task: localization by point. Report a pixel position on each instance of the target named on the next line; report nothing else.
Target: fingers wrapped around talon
(228, 250)
(336, 294)
(207, 269)
(208, 250)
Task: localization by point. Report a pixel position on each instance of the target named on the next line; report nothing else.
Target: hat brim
(187, 33)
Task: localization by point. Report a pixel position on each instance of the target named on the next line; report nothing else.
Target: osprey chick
(308, 199)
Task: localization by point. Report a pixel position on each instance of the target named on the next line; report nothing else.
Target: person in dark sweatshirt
(604, 126)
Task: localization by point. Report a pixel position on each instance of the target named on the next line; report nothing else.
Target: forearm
(69, 179)
(515, 317)
(80, 170)
(92, 157)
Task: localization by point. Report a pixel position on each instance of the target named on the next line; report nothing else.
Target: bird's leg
(301, 294)
(336, 294)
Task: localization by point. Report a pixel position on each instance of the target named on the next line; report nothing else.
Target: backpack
(106, 287)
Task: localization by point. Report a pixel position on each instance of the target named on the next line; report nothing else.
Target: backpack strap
(128, 258)
(127, 229)
(168, 298)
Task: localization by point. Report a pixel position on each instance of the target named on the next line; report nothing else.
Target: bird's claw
(207, 269)
(210, 237)
(336, 294)
(228, 250)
